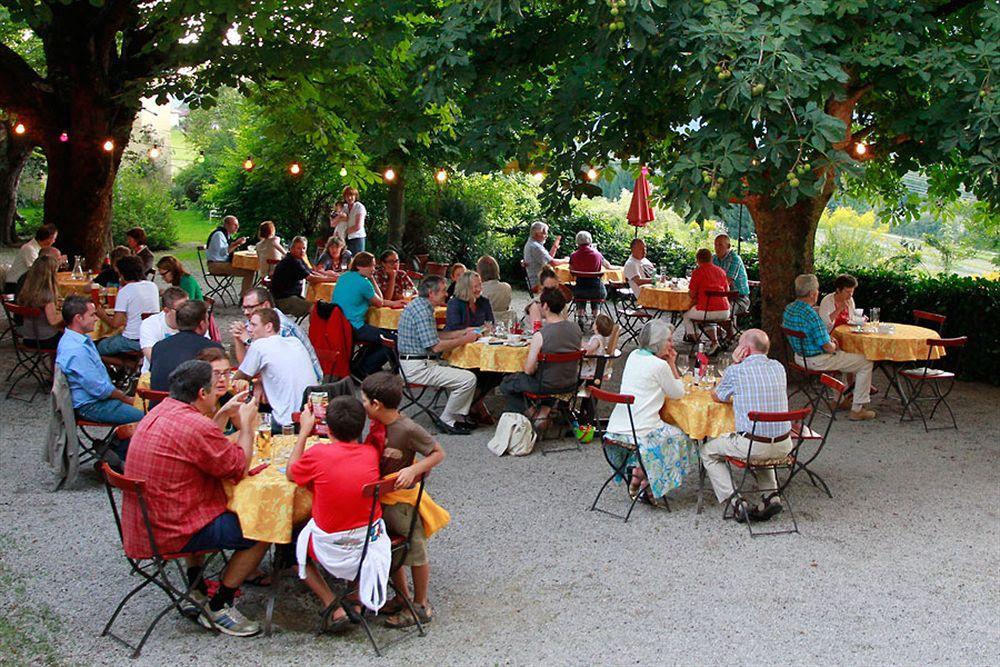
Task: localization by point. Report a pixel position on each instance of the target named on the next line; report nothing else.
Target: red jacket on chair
(332, 337)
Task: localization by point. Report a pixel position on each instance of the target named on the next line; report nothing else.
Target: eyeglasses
(222, 374)
(249, 306)
(164, 274)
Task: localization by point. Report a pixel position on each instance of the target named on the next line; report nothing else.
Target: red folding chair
(815, 433)
(150, 397)
(581, 305)
(152, 569)
(933, 375)
(807, 379)
(561, 398)
(400, 547)
(928, 319)
(751, 464)
(413, 392)
(621, 470)
(30, 359)
(730, 296)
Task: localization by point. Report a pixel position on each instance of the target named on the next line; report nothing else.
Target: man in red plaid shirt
(182, 456)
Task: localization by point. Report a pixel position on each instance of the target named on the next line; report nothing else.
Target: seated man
(706, 278)
(169, 353)
(163, 324)
(736, 273)
(336, 471)
(254, 300)
(219, 251)
(819, 352)
(753, 383)
(392, 280)
(94, 397)
(282, 364)
(286, 281)
(136, 296)
(182, 457)
(26, 255)
(419, 345)
(638, 270)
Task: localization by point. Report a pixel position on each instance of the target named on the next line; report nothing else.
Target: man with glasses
(157, 327)
(392, 281)
(253, 301)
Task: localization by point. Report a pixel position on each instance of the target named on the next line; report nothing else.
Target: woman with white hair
(651, 376)
(535, 254)
(587, 259)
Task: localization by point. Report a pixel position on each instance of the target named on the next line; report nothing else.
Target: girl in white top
(836, 308)
(597, 346)
(268, 247)
(651, 376)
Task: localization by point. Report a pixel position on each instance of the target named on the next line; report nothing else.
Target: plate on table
(516, 343)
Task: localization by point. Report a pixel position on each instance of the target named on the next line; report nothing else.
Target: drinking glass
(875, 313)
(288, 429)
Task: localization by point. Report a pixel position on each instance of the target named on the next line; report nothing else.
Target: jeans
(356, 245)
(374, 356)
(117, 344)
(111, 411)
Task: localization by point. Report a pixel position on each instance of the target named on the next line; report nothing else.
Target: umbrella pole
(739, 233)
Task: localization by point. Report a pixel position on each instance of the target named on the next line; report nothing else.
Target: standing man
(753, 383)
(26, 255)
(254, 300)
(535, 254)
(219, 252)
(286, 281)
(169, 353)
(638, 270)
(420, 345)
(736, 272)
(163, 324)
(817, 351)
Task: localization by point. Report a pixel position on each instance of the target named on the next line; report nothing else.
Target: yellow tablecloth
(319, 292)
(267, 504)
(665, 298)
(245, 259)
(698, 415)
(907, 344)
(143, 383)
(614, 274)
(388, 318)
(500, 358)
(67, 285)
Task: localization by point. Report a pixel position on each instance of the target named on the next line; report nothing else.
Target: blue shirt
(460, 316)
(218, 247)
(417, 328)
(756, 384)
(79, 361)
(353, 293)
(800, 316)
(732, 264)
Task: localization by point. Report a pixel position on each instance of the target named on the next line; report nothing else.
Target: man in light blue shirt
(219, 252)
(735, 270)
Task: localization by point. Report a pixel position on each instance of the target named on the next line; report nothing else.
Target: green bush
(142, 202)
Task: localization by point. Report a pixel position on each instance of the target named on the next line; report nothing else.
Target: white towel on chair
(340, 552)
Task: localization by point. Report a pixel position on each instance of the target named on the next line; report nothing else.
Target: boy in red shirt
(706, 278)
(381, 394)
(335, 471)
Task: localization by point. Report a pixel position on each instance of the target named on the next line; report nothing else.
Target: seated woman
(392, 279)
(336, 257)
(40, 291)
(108, 277)
(837, 307)
(547, 280)
(454, 273)
(173, 273)
(588, 260)
(499, 293)
(469, 308)
(355, 292)
(651, 376)
(268, 247)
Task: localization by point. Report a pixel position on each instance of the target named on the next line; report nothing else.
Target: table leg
(891, 372)
(272, 592)
(701, 482)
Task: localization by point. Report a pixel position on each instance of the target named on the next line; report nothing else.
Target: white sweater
(650, 380)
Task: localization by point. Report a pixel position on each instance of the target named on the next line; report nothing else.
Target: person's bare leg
(421, 578)
(317, 584)
(243, 563)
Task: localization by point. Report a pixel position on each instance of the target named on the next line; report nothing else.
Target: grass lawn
(193, 226)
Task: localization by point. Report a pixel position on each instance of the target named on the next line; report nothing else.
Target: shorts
(397, 517)
(223, 532)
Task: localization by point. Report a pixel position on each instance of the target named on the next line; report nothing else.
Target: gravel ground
(900, 567)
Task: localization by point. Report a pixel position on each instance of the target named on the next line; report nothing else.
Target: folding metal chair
(620, 470)
(150, 397)
(10, 325)
(751, 464)
(219, 285)
(30, 359)
(806, 378)
(414, 393)
(124, 370)
(400, 547)
(151, 569)
(731, 321)
(562, 398)
(813, 433)
(933, 375)
(436, 269)
(581, 306)
(928, 319)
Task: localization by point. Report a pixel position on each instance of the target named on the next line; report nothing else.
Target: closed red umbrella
(640, 213)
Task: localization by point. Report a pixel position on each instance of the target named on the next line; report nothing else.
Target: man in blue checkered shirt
(753, 383)
(420, 343)
(817, 351)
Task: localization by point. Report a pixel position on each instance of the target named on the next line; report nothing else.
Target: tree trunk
(14, 155)
(785, 242)
(397, 210)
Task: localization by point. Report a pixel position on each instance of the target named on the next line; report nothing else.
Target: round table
(665, 298)
(68, 285)
(615, 274)
(498, 358)
(909, 343)
(268, 504)
(245, 259)
(388, 318)
(319, 292)
(698, 414)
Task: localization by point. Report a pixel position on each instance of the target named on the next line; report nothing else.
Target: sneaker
(862, 414)
(230, 621)
(192, 608)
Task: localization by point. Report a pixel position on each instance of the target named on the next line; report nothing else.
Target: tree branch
(953, 6)
(21, 88)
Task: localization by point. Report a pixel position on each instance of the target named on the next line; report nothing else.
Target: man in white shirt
(255, 300)
(638, 270)
(135, 297)
(26, 255)
(282, 364)
(219, 252)
(163, 324)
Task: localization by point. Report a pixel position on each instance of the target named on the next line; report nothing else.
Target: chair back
(949, 350)
(415, 276)
(586, 274)
(547, 360)
(201, 262)
(790, 353)
(375, 491)
(927, 318)
(791, 416)
(722, 294)
(151, 397)
(436, 269)
(19, 315)
(617, 399)
(127, 485)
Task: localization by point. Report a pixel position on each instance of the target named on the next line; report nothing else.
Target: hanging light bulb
(389, 175)
(538, 176)
(860, 148)
(295, 169)
(248, 164)
(591, 174)
(154, 152)
(441, 176)
(109, 145)
(20, 128)
(754, 162)
(343, 172)
(64, 137)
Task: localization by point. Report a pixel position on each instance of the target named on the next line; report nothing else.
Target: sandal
(405, 619)
(393, 606)
(328, 624)
(260, 579)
